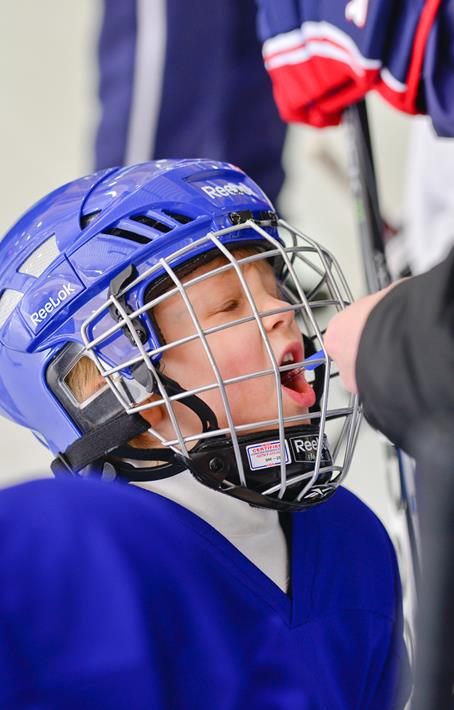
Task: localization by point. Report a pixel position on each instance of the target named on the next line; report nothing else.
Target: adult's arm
(397, 348)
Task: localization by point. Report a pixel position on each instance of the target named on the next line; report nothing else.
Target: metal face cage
(314, 288)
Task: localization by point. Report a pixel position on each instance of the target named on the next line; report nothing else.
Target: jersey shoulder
(46, 523)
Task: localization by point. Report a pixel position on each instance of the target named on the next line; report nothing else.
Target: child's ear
(154, 417)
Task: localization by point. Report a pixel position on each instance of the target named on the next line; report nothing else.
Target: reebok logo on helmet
(41, 314)
(227, 189)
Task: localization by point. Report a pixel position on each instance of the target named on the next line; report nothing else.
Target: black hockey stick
(364, 188)
(371, 228)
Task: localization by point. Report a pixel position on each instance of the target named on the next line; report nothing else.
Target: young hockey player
(155, 330)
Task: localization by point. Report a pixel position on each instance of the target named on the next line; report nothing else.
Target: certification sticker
(266, 454)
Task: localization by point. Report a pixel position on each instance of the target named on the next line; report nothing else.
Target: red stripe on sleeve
(407, 101)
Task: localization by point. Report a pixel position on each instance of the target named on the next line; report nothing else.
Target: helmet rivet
(216, 465)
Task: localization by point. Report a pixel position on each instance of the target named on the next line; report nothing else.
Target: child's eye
(229, 306)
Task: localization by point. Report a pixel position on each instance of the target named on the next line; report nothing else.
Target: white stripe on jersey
(314, 49)
(319, 39)
(148, 78)
(392, 82)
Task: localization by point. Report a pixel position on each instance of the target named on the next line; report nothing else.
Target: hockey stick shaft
(371, 231)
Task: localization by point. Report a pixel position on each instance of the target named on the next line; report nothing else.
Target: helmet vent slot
(125, 234)
(8, 302)
(151, 222)
(41, 258)
(86, 219)
(181, 218)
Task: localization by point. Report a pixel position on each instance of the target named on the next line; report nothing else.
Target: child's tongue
(298, 389)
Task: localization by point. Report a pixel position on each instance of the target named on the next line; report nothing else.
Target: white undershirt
(253, 531)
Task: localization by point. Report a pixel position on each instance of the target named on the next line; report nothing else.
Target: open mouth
(292, 378)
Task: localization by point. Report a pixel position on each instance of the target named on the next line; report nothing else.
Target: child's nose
(277, 320)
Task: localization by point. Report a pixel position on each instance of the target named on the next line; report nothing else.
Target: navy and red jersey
(115, 597)
(323, 55)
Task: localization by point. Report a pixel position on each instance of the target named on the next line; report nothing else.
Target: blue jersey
(115, 597)
(324, 55)
(187, 79)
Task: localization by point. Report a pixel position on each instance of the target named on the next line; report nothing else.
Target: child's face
(238, 350)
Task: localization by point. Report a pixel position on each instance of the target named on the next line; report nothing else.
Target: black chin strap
(96, 444)
(197, 405)
(91, 450)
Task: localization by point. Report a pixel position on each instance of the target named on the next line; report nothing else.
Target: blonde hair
(84, 379)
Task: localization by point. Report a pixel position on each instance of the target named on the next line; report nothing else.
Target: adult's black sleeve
(405, 363)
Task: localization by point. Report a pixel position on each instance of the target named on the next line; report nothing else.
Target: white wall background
(49, 111)
(48, 114)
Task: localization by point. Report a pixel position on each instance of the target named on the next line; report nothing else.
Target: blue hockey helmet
(80, 275)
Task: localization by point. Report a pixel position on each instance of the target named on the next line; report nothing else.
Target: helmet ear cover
(107, 427)
(101, 419)
(97, 409)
